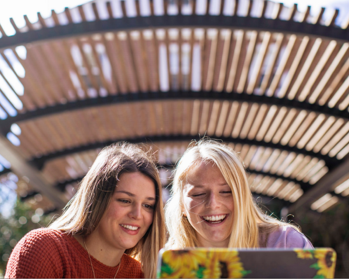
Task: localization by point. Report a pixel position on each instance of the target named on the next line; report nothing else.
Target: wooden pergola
(270, 81)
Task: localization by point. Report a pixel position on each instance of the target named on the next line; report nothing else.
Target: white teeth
(132, 228)
(214, 218)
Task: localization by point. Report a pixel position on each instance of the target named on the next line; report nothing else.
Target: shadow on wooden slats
(232, 62)
(255, 72)
(152, 60)
(231, 119)
(224, 41)
(252, 37)
(209, 58)
(222, 118)
(330, 74)
(140, 59)
(212, 124)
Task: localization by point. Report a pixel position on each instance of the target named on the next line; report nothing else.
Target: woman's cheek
(149, 217)
(194, 205)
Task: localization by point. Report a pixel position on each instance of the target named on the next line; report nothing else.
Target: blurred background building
(269, 79)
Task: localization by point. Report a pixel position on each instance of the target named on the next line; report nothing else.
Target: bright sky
(17, 8)
(322, 3)
(342, 5)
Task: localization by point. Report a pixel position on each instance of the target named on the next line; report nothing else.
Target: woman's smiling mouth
(130, 229)
(214, 219)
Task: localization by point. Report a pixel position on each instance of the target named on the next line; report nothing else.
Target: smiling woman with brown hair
(115, 218)
(212, 205)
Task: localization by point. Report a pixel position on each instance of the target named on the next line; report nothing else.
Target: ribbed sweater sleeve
(35, 256)
(48, 253)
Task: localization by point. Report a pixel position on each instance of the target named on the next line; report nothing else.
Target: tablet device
(247, 263)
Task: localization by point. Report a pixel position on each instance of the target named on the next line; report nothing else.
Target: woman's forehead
(203, 173)
(137, 184)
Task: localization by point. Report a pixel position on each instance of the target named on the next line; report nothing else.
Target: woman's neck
(100, 250)
(208, 244)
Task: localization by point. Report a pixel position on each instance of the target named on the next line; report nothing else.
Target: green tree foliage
(22, 220)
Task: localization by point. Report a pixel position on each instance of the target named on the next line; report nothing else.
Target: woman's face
(208, 205)
(129, 213)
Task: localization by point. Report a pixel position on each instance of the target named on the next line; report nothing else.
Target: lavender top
(287, 237)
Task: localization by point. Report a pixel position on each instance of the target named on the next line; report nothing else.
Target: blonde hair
(84, 211)
(248, 220)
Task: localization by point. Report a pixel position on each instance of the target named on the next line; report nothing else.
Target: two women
(116, 216)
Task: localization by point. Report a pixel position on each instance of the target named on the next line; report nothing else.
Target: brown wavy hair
(84, 211)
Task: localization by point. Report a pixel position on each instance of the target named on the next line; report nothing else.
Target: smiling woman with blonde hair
(212, 205)
(115, 218)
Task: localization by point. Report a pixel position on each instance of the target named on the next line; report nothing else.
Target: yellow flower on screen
(326, 260)
(190, 259)
(304, 254)
(224, 265)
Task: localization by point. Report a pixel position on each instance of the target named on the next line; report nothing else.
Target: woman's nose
(212, 201)
(136, 212)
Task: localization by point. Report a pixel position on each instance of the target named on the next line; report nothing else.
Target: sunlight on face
(208, 205)
(130, 211)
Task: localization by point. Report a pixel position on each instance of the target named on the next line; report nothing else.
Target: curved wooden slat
(114, 24)
(177, 95)
(323, 186)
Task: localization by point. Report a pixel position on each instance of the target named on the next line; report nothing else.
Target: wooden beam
(324, 186)
(117, 24)
(22, 168)
(170, 95)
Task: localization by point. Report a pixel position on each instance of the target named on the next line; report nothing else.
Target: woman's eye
(149, 206)
(226, 192)
(198, 195)
(123, 201)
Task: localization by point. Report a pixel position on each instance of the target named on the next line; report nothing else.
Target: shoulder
(41, 238)
(131, 268)
(44, 233)
(36, 250)
(286, 236)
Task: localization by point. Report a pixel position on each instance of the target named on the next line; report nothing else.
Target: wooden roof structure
(270, 81)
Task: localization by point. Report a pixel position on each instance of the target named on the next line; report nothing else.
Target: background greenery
(22, 220)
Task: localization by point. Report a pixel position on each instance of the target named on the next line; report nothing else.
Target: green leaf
(310, 251)
(319, 276)
(165, 268)
(200, 272)
(315, 265)
(245, 272)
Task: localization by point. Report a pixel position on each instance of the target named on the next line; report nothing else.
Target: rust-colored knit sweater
(47, 253)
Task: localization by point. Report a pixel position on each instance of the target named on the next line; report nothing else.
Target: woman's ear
(183, 211)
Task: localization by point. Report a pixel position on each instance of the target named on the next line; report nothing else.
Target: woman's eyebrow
(200, 186)
(132, 195)
(125, 192)
(193, 186)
